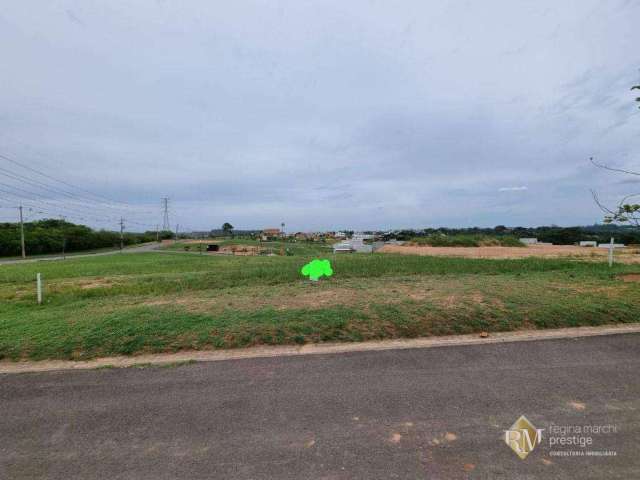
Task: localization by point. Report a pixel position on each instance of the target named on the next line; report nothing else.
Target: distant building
(270, 234)
(343, 247)
(361, 237)
(356, 244)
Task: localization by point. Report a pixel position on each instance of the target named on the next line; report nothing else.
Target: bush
(441, 240)
(48, 236)
(511, 242)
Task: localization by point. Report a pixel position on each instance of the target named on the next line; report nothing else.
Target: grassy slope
(168, 301)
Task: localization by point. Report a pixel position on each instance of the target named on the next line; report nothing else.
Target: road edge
(8, 367)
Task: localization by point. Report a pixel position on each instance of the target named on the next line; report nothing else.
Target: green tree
(48, 235)
(227, 228)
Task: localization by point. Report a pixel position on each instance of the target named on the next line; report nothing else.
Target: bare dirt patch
(580, 406)
(542, 251)
(630, 277)
(241, 249)
(83, 284)
(95, 283)
(230, 249)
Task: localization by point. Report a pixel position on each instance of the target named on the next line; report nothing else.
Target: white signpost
(611, 252)
(39, 288)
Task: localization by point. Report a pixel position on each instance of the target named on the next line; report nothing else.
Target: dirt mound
(241, 249)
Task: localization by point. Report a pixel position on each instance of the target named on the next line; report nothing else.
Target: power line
(82, 206)
(31, 169)
(75, 208)
(43, 186)
(78, 213)
(60, 191)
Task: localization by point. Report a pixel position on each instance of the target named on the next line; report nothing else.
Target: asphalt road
(434, 413)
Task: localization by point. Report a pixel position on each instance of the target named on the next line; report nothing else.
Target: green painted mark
(316, 269)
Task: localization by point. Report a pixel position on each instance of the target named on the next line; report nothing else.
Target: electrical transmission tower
(165, 215)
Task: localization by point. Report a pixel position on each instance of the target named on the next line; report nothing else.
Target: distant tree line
(552, 234)
(48, 236)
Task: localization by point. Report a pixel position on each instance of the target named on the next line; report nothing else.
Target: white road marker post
(611, 252)
(39, 288)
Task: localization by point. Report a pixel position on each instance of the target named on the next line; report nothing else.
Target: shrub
(48, 236)
(440, 240)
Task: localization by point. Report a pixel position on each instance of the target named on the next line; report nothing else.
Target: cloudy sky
(322, 114)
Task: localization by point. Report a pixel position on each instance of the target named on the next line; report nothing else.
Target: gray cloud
(326, 115)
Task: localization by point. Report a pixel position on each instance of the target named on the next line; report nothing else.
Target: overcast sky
(325, 114)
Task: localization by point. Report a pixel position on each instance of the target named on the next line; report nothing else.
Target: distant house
(361, 237)
(357, 245)
(270, 234)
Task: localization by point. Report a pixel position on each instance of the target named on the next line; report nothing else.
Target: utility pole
(165, 214)
(282, 250)
(157, 233)
(64, 238)
(121, 234)
(24, 251)
(177, 226)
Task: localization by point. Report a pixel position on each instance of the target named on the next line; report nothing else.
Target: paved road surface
(434, 413)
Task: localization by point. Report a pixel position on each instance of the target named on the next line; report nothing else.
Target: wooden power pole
(24, 251)
(121, 233)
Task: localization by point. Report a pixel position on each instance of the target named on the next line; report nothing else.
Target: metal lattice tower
(165, 214)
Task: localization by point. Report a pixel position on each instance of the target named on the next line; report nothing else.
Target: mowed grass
(155, 302)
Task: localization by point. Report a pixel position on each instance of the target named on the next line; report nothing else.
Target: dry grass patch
(630, 277)
(448, 293)
(306, 295)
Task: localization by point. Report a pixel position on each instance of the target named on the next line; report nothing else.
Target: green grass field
(167, 301)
